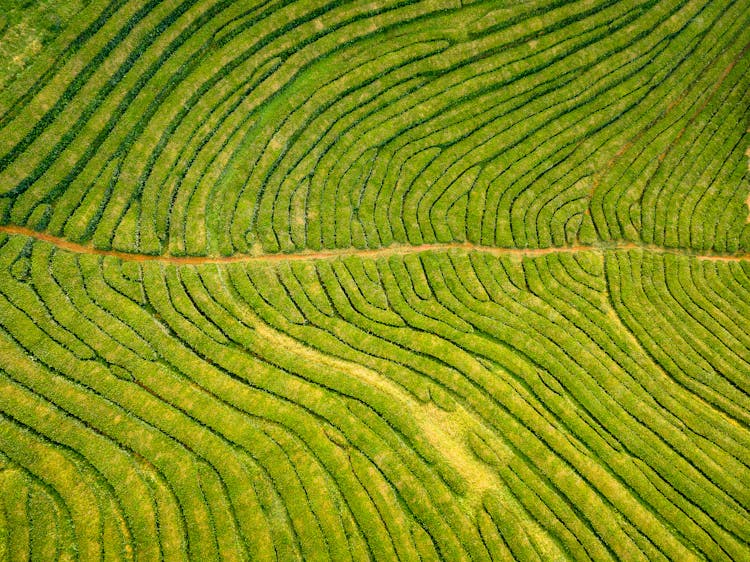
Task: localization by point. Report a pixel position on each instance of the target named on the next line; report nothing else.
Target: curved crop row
(217, 127)
(394, 280)
(450, 403)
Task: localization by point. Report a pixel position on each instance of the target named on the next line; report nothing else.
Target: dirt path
(395, 250)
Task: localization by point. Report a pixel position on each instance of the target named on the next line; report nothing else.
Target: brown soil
(395, 250)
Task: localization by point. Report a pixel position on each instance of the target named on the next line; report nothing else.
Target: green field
(374, 280)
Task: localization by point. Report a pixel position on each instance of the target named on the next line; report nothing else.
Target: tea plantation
(374, 280)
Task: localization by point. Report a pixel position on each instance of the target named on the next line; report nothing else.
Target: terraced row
(405, 388)
(445, 405)
(222, 127)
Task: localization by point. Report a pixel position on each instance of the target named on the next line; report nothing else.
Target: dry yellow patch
(447, 432)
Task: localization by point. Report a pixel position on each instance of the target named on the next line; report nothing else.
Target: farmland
(374, 280)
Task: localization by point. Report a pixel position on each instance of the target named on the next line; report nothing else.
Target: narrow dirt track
(395, 250)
